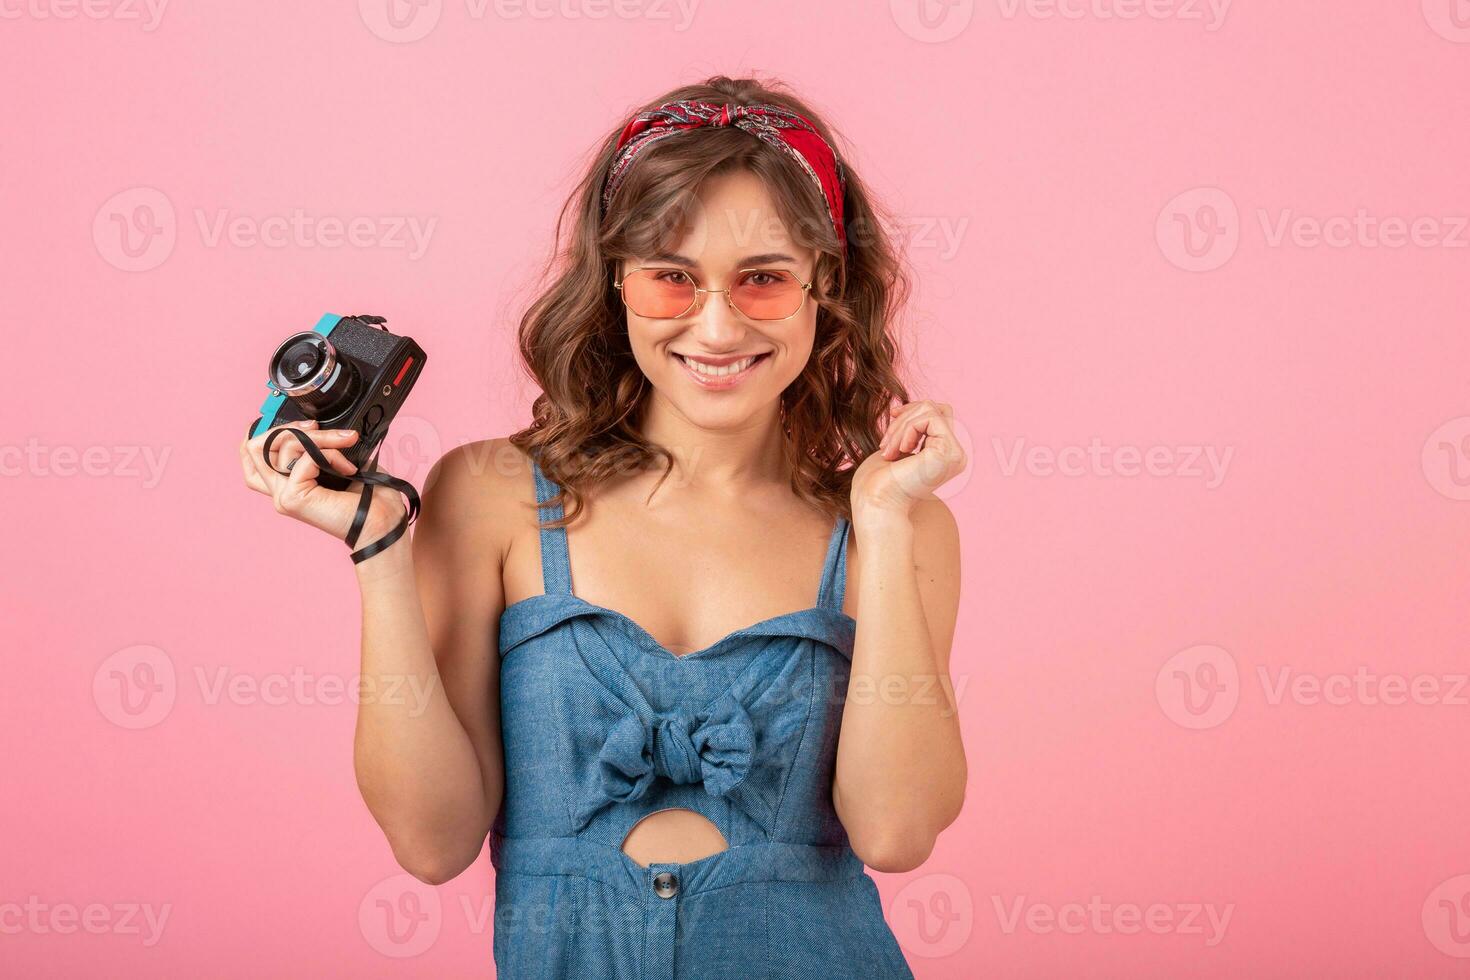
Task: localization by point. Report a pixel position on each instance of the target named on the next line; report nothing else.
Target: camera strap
(368, 476)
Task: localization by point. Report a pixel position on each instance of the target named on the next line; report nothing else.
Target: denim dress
(602, 726)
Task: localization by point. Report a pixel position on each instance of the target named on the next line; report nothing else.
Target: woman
(711, 683)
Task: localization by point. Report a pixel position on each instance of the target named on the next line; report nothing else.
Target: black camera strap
(368, 476)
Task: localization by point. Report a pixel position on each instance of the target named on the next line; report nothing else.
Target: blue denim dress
(603, 726)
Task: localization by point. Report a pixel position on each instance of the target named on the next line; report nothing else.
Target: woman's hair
(574, 341)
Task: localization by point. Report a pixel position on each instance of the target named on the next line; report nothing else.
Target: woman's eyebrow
(674, 258)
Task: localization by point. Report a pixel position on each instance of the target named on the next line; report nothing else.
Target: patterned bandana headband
(789, 132)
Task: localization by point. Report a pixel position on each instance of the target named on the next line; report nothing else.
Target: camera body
(347, 372)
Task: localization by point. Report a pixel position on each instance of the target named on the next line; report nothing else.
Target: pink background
(1122, 639)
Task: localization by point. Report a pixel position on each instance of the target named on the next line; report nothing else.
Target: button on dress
(602, 726)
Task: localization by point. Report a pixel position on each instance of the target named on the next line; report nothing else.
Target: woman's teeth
(734, 367)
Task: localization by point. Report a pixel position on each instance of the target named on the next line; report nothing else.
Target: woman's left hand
(916, 456)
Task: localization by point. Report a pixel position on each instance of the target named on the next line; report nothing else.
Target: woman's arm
(429, 761)
(901, 771)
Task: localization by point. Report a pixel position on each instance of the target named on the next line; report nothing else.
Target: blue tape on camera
(275, 400)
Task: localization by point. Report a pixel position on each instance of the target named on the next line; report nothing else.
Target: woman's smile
(720, 373)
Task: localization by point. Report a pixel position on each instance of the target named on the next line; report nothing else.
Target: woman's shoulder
(482, 489)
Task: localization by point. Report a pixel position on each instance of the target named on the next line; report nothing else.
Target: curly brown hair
(574, 342)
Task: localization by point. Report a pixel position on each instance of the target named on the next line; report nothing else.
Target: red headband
(789, 132)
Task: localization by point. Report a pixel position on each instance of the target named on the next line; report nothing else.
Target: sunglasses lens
(767, 294)
(658, 293)
(762, 294)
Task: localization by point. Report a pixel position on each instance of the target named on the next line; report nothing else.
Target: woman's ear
(825, 277)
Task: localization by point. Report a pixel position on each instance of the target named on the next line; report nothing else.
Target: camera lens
(301, 360)
(307, 369)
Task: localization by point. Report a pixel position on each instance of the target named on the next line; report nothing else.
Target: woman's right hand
(299, 495)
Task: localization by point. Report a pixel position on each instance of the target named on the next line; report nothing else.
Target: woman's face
(715, 366)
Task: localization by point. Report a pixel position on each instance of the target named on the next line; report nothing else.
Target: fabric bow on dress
(684, 749)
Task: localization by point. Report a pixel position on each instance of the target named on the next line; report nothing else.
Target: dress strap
(556, 563)
(834, 569)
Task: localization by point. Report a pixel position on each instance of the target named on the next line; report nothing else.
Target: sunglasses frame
(806, 289)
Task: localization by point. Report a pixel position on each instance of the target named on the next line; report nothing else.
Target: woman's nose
(716, 324)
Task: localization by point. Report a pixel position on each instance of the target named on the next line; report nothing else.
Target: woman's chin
(727, 410)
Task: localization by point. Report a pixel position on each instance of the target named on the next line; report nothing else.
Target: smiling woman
(752, 337)
(647, 613)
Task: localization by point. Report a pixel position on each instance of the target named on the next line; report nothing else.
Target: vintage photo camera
(347, 372)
